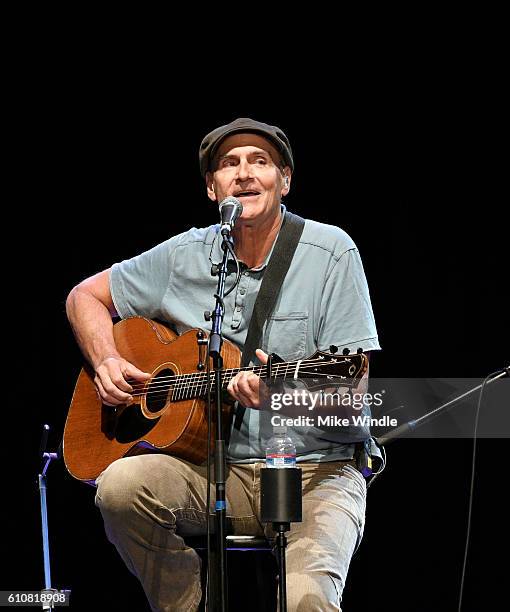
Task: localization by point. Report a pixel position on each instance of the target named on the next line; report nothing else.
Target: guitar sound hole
(130, 425)
(160, 390)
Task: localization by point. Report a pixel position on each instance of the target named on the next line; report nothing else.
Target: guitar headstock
(325, 369)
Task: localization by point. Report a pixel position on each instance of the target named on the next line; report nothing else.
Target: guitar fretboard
(195, 385)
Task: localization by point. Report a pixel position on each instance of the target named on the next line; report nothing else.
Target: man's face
(246, 166)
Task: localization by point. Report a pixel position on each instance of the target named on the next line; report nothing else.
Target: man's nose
(243, 170)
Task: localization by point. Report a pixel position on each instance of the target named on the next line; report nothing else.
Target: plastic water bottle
(280, 450)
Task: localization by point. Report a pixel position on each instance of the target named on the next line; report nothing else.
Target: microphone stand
(393, 434)
(215, 344)
(49, 595)
(48, 458)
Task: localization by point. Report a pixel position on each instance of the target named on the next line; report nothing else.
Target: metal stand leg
(47, 458)
(281, 543)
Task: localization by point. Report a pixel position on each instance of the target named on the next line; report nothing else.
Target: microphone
(230, 210)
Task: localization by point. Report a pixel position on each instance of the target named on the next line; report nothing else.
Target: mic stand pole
(393, 434)
(215, 344)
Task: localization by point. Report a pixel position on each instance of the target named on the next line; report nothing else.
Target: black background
(108, 167)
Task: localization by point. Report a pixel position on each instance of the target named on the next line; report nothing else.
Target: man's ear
(286, 178)
(209, 181)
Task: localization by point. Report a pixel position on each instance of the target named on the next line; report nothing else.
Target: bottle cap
(279, 429)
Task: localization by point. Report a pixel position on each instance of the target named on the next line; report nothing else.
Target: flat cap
(274, 134)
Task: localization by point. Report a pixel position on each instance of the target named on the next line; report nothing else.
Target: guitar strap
(274, 275)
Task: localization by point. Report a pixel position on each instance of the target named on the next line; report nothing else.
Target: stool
(260, 562)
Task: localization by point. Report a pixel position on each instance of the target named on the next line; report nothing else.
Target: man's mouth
(247, 194)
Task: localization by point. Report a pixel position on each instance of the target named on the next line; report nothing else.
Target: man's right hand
(111, 380)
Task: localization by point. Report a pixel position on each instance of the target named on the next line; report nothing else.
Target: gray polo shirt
(324, 301)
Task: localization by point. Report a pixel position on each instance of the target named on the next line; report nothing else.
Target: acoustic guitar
(169, 412)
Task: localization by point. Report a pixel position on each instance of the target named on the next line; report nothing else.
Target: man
(149, 501)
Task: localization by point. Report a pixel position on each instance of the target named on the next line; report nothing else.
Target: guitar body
(95, 435)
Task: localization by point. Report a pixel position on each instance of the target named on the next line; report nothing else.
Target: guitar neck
(195, 385)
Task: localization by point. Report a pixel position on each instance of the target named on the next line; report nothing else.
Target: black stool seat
(234, 542)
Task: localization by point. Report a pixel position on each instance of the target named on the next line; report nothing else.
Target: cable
(381, 469)
(471, 490)
(209, 387)
(238, 269)
(208, 480)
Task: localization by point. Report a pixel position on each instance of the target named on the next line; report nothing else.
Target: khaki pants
(149, 501)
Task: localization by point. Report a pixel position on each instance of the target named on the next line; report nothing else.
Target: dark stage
(109, 181)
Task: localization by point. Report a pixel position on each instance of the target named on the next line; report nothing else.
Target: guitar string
(263, 367)
(185, 385)
(187, 397)
(184, 389)
(188, 381)
(289, 366)
(245, 369)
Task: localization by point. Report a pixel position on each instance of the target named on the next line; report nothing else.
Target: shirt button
(242, 291)
(239, 308)
(246, 273)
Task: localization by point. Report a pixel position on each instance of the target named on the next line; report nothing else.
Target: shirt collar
(217, 252)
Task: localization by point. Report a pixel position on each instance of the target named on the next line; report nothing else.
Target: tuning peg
(346, 351)
(359, 351)
(333, 349)
(207, 315)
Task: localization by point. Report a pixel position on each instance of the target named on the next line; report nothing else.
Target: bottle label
(281, 461)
